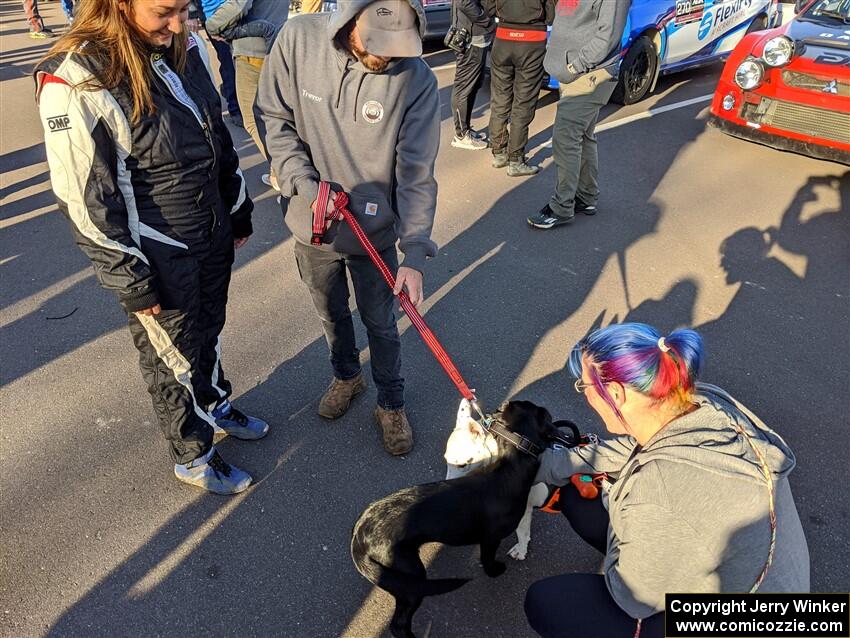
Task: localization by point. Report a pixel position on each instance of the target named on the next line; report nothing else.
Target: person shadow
(779, 347)
(782, 346)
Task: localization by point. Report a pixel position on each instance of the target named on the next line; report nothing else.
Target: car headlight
(749, 74)
(778, 51)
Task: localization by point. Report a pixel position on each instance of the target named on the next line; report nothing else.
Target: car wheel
(759, 24)
(637, 72)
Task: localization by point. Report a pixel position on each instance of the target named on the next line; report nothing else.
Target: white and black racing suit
(155, 206)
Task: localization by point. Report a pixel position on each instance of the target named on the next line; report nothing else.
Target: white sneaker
(468, 142)
(479, 135)
(269, 179)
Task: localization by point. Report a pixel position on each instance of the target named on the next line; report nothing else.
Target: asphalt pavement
(747, 244)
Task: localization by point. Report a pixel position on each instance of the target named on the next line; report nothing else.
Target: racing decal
(373, 111)
(689, 11)
(59, 123)
(722, 16)
(833, 35)
(833, 59)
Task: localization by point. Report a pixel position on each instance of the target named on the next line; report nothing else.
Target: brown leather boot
(398, 436)
(335, 401)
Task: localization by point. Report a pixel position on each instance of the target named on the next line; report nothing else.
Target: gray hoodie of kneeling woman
(690, 509)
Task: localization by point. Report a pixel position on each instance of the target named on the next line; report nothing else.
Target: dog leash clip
(485, 420)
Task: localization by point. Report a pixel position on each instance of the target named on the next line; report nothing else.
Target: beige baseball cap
(389, 29)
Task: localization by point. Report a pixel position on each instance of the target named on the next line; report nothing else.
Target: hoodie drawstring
(342, 77)
(341, 80)
(357, 94)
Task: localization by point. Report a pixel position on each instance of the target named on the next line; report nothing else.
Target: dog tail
(397, 582)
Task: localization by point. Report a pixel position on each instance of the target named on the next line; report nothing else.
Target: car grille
(816, 83)
(805, 120)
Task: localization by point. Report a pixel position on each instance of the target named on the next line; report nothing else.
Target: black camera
(458, 39)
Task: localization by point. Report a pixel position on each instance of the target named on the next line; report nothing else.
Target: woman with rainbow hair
(693, 492)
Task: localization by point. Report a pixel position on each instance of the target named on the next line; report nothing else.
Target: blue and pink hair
(633, 355)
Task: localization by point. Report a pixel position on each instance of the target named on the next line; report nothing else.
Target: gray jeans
(574, 140)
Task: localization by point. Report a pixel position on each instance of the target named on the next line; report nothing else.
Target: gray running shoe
(546, 219)
(468, 142)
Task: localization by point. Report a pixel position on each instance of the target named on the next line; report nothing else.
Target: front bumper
(778, 141)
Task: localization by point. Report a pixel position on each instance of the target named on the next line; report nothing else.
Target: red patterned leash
(321, 220)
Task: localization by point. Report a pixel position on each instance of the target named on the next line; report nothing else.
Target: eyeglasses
(581, 386)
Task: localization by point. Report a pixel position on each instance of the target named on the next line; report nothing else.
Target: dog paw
(518, 552)
(497, 568)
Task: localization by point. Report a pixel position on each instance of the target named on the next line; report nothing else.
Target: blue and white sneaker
(237, 424)
(214, 474)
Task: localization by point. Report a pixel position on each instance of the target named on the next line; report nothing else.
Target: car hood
(823, 32)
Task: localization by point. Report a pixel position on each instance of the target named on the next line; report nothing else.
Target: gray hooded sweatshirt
(689, 511)
(586, 34)
(373, 135)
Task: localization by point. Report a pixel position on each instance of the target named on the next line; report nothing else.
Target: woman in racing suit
(144, 168)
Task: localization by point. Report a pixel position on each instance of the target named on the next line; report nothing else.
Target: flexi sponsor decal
(722, 17)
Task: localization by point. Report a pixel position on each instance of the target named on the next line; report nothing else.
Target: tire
(637, 72)
(758, 24)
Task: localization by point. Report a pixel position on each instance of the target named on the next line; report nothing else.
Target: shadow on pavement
(283, 547)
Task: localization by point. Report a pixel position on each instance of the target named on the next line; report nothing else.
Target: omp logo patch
(59, 123)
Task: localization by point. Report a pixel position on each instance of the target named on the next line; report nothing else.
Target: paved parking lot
(745, 243)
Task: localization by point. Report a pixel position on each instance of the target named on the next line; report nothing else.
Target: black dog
(481, 508)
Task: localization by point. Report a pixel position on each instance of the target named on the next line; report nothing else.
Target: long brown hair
(106, 31)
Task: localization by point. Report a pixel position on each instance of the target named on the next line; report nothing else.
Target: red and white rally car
(789, 87)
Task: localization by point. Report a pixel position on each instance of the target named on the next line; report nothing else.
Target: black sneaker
(587, 209)
(546, 219)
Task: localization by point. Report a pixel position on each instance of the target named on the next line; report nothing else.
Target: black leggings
(579, 605)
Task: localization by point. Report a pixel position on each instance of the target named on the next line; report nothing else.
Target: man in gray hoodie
(583, 54)
(347, 99)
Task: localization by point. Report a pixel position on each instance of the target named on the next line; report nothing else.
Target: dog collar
(517, 440)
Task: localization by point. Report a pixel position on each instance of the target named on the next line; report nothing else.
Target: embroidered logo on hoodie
(373, 111)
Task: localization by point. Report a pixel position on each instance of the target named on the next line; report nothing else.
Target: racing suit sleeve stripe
(83, 165)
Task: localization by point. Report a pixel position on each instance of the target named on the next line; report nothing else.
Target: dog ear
(543, 416)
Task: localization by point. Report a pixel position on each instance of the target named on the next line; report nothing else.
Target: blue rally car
(665, 36)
